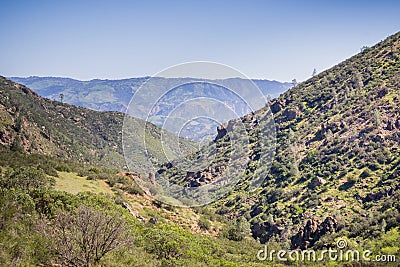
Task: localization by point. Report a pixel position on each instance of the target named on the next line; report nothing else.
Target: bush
(84, 237)
(63, 167)
(26, 179)
(167, 242)
(134, 189)
(204, 223)
(237, 230)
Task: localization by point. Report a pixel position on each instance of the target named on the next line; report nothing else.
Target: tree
(84, 237)
(314, 72)
(15, 205)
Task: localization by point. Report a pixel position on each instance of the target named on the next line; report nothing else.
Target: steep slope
(34, 124)
(337, 163)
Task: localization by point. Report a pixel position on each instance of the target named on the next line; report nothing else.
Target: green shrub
(63, 167)
(236, 230)
(204, 223)
(26, 179)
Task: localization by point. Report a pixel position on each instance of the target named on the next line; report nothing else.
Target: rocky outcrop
(276, 107)
(316, 182)
(207, 176)
(376, 196)
(264, 231)
(221, 132)
(311, 231)
(289, 115)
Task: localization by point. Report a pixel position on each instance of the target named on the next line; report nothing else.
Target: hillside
(33, 124)
(337, 163)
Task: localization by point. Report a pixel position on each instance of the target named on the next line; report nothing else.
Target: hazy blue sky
(278, 40)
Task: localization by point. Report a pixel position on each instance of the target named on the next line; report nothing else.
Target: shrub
(204, 223)
(167, 242)
(26, 179)
(134, 189)
(365, 174)
(236, 230)
(63, 167)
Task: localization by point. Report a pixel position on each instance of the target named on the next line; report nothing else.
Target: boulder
(264, 231)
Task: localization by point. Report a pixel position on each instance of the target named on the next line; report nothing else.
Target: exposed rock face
(289, 114)
(264, 231)
(311, 231)
(385, 192)
(198, 178)
(316, 182)
(276, 107)
(221, 132)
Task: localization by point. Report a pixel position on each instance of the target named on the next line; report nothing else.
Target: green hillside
(34, 124)
(336, 169)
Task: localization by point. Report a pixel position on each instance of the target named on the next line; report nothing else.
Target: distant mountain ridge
(113, 95)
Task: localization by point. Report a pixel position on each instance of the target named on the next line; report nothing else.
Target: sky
(276, 40)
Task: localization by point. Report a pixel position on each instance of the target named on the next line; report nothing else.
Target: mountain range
(114, 95)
